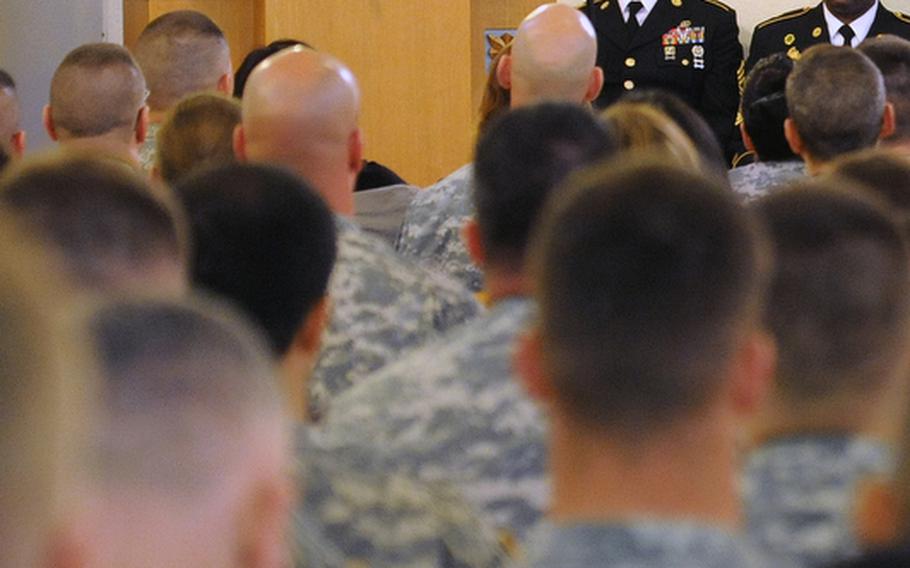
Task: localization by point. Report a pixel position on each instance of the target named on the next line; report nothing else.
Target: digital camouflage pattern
(382, 306)
(431, 232)
(148, 153)
(642, 544)
(799, 494)
(350, 518)
(452, 411)
(756, 180)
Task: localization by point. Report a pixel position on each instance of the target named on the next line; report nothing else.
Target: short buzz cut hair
(197, 133)
(764, 107)
(96, 89)
(185, 385)
(891, 54)
(839, 298)
(519, 160)
(648, 277)
(111, 231)
(885, 173)
(836, 99)
(263, 240)
(181, 53)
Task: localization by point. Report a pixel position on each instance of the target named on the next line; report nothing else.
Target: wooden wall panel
(413, 61)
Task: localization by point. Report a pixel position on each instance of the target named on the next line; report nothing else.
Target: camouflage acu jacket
(383, 306)
(799, 494)
(452, 411)
(756, 180)
(431, 232)
(350, 518)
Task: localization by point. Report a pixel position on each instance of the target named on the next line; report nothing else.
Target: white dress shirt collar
(642, 14)
(861, 26)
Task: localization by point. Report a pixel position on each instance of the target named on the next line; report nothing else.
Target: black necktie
(848, 34)
(632, 24)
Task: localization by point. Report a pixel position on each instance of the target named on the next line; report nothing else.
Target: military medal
(669, 53)
(698, 57)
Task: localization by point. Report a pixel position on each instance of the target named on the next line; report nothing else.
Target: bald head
(9, 116)
(182, 53)
(553, 58)
(97, 90)
(300, 110)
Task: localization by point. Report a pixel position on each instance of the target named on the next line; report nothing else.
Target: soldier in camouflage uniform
(301, 112)
(345, 516)
(764, 110)
(643, 265)
(838, 310)
(554, 43)
(180, 53)
(453, 410)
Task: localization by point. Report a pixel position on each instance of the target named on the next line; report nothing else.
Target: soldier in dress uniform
(832, 21)
(688, 47)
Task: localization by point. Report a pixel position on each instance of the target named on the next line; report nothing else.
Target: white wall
(751, 12)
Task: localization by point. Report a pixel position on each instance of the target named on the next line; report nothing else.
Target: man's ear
(226, 83)
(504, 72)
(355, 152)
(747, 140)
(889, 122)
(595, 84)
(752, 373)
(18, 141)
(793, 138)
(265, 525)
(308, 339)
(47, 117)
(470, 234)
(528, 365)
(240, 143)
(142, 125)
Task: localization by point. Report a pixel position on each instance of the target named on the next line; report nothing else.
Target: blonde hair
(640, 127)
(46, 386)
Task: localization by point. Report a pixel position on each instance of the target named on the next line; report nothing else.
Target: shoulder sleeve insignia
(720, 5)
(784, 17)
(902, 17)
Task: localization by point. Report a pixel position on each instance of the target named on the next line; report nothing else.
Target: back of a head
(764, 107)
(836, 99)
(45, 393)
(9, 110)
(194, 418)
(891, 54)
(649, 276)
(256, 57)
(884, 173)
(97, 89)
(553, 56)
(197, 133)
(262, 239)
(643, 128)
(182, 53)
(691, 123)
(103, 222)
(519, 161)
(838, 303)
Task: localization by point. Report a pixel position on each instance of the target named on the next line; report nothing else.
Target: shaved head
(9, 110)
(300, 110)
(96, 90)
(553, 56)
(182, 53)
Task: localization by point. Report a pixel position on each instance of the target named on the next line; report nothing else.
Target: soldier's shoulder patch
(784, 17)
(720, 5)
(902, 17)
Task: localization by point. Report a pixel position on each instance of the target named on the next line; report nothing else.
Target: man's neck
(780, 419)
(157, 116)
(108, 144)
(503, 283)
(690, 474)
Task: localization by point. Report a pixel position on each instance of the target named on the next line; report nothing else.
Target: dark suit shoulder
(782, 18)
(888, 22)
(721, 5)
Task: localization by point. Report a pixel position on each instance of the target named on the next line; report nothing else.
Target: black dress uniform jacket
(687, 47)
(795, 31)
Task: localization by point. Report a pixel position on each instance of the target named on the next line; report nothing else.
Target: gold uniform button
(628, 84)
(685, 62)
(630, 62)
